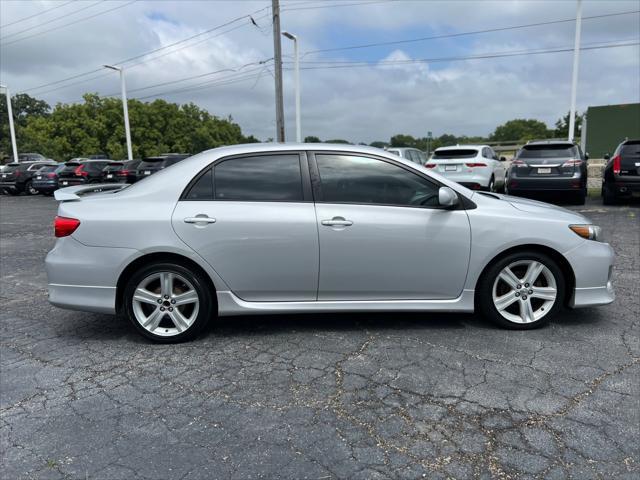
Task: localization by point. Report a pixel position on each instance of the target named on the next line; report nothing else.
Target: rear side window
(203, 188)
(275, 178)
(455, 153)
(48, 168)
(548, 151)
(363, 180)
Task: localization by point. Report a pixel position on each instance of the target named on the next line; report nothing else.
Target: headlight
(590, 232)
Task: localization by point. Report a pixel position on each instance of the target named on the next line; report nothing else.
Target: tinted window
(261, 178)
(352, 179)
(48, 168)
(203, 188)
(631, 148)
(455, 153)
(548, 151)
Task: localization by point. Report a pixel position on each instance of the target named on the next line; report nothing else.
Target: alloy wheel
(165, 304)
(524, 291)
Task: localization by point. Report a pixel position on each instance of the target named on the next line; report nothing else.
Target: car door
(253, 220)
(382, 234)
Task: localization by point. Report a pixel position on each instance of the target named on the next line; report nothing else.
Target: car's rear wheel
(492, 185)
(29, 190)
(521, 291)
(167, 302)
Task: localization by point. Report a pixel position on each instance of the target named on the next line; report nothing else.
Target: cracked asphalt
(315, 396)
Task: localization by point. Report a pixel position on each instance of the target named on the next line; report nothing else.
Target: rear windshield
(151, 163)
(631, 147)
(114, 166)
(457, 153)
(548, 151)
(12, 167)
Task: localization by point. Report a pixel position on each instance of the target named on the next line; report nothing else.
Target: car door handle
(199, 219)
(337, 222)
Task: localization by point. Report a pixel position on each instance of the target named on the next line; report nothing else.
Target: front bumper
(85, 278)
(592, 264)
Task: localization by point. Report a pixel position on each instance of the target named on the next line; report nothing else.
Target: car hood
(540, 208)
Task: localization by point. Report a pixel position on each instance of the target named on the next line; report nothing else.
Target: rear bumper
(45, 186)
(546, 184)
(11, 185)
(85, 278)
(469, 180)
(70, 181)
(622, 186)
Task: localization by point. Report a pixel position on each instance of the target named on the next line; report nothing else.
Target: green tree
(562, 126)
(24, 107)
(379, 144)
(402, 140)
(521, 129)
(338, 140)
(312, 139)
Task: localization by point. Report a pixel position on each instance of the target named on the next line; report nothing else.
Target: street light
(293, 37)
(576, 66)
(11, 127)
(124, 108)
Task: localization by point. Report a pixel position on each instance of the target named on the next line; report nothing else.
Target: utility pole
(125, 109)
(12, 130)
(576, 64)
(277, 59)
(296, 67)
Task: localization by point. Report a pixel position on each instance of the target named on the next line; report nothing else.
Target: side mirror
(447, 197)
(503, 159)
(586, 156)
(607, 156)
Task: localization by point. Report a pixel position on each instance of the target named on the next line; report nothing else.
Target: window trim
(463, 202)
(307, 195)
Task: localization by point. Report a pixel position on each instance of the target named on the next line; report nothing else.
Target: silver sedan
(283, 228)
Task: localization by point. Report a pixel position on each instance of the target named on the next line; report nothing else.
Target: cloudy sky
(461, 82)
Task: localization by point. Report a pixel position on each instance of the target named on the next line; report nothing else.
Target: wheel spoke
(509, 278)
(544, 293)
(533, 272)
(185, 298)
(179, 320)
(526, 311)
(166, 283)
(505, 300)
(145, 296)
(153, 320)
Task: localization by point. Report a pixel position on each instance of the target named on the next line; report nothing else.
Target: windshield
(548, 151)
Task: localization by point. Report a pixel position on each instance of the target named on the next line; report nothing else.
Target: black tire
(29, 190)
(492, 185)
(14, 192)
(200, 285)
(484, 290)
(608, 197)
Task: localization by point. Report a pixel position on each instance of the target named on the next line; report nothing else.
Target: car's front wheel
(168, 302)
(521, 291)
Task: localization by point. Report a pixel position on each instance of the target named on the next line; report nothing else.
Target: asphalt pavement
(358, 396)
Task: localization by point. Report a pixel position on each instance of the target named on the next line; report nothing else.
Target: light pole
(576, 64)
(296, 67)
(124, 108)
(11, 127)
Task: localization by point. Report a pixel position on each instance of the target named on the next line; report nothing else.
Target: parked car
(277, 228)
(621, 175)
(17, 178)
(151, 165)
(80, 171)
(412, 154)
(45, 180)
(120, 172)
(557, 167)
(31, 157)
(475, 166)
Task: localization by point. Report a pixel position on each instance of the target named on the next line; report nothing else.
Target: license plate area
(147, 172)
(450, 168)
(110, 175)
(544, 170)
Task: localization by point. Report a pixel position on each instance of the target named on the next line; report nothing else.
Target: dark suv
(45, 180)
(120, 172)
(557, 167)
(151, 165)
(17, 177)
(80, 171)
(621, 175)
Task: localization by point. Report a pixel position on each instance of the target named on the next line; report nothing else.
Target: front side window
(363, 180)
(267, 178)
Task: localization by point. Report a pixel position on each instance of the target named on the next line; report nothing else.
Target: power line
(324, 5)
(461, 34)
(66, 15)
(130, 59)
(70, 23)
(36, 14)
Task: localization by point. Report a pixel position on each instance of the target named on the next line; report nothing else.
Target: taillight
(123, 173)
(571, 163)
(17, 173)
(476, 165)
(51, 175)
(616, 164)
(519, 163)
(429, 165)
(64, 226)
(80, 171)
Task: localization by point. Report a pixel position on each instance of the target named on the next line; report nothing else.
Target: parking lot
(316, 396)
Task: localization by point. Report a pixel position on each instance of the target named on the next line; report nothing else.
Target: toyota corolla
(284, 228)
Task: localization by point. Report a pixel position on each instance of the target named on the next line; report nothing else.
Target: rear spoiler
(69, 194)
